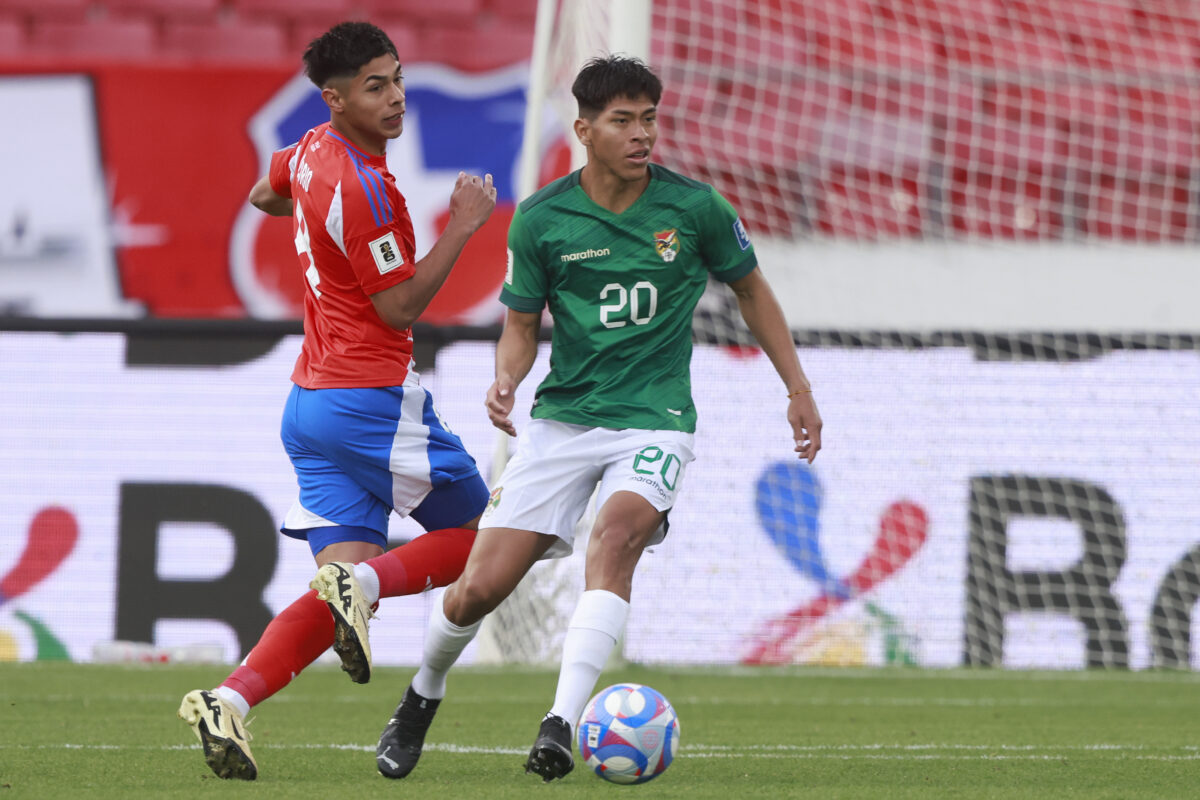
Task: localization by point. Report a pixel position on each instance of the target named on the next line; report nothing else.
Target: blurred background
(980, 217)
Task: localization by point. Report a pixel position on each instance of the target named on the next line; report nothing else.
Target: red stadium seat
(480, 48)
(1009, 204)
(452, 13)
(938, 16)
(883, 48)
(1005, 50)
(1150, 208)
(234, 41)
(12, 38)
(123, 39)
(327, 12)
(1078, 17)
(524, 11)
(60, 10)
(867, 203)
(157, 9)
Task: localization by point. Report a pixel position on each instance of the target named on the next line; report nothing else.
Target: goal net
(1001, 138)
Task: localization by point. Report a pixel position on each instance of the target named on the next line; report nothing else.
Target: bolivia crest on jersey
(667, 244)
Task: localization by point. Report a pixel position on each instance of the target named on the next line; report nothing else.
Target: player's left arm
(764, 317)
(265, 199)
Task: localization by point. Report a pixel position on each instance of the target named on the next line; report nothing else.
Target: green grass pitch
(70, 730)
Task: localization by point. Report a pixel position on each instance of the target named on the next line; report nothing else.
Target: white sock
(444, 643)
(234, 699)
(368, 579)
(595, 628)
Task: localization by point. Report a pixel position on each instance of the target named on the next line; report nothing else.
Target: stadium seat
(235, 41)
(12, 38)
(1133, 54)
(123, 39)
(1005, 50)
(327, 12)
(937, 16)
(475, 49)
(523, 11)
(870, 204)
(1009, 204)
(51, 10)
(1152, 208)
(1078, 17)
(157, 9)
(884, 48)
(448, 13)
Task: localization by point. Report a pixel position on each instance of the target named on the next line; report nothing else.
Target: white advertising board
(174, 476)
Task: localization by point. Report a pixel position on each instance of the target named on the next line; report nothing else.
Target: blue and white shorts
(548, 483)
(361, 453)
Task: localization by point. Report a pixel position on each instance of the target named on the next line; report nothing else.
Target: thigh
(547, 485)
(649, 464)
(452, 505)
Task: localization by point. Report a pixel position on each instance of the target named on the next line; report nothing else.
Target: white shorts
(547, 485)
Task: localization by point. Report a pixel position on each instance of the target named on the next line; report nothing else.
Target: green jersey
(622, 289)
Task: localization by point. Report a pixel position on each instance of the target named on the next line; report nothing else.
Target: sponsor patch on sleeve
(387, 254)
(508, 270)
(743, 238)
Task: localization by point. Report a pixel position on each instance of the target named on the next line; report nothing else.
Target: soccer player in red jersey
(362, 434)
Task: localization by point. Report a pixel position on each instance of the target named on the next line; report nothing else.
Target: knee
(470, 599)
(616, 538)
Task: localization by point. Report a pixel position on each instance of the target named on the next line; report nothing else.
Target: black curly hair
(342, 50)
(605, 78)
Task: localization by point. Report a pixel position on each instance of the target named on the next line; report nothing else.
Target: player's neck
(371, 145)
(609, 190)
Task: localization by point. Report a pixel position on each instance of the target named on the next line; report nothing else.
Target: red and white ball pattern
(628, 733)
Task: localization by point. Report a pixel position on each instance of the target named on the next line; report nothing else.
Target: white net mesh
(960, 125)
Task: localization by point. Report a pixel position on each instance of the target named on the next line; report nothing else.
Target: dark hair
(342, 50)
(605, 78)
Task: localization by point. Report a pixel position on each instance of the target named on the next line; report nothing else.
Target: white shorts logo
(387, 254)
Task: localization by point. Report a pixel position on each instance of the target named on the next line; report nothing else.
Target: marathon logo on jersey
(387, 254)
(743, 238)
(508, 270)
(583, 255)
(666, 244)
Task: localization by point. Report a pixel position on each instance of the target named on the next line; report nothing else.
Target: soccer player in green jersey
(620, 252)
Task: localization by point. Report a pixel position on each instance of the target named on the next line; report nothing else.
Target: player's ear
(333, 98)
(583, 131)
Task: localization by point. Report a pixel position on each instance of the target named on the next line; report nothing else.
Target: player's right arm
(515, 353)
(524, 292)
(470, 206)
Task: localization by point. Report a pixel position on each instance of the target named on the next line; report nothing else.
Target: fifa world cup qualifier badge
(666, 243)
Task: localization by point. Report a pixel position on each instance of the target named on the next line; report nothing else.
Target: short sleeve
(378, 259)
(525, 279)
(726, 245)
(281, 170)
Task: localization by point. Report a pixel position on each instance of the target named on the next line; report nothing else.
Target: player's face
(373, 102)
(621, 137)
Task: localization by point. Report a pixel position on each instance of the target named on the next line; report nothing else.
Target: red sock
(293, 640)
(431, 560)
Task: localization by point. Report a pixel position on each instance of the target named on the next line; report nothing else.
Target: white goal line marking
(844, 752)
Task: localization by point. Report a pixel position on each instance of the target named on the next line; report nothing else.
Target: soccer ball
(628, 733)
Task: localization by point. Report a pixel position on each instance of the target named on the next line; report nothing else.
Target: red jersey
(354, 238)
